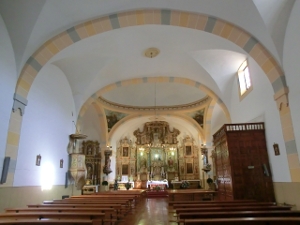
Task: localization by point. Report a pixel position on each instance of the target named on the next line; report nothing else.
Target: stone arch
(185, 81)
(196, 21)
(149, 113)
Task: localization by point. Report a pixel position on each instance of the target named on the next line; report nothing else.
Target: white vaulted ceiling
(110, 57)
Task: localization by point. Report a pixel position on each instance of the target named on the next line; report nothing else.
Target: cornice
(190, 106)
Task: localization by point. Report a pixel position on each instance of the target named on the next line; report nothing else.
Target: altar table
(154, 183)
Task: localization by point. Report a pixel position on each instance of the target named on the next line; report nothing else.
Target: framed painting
(38, 160)
(188, 150)
(189, 168)
(125, 169)
(276, 149)
(125, 151)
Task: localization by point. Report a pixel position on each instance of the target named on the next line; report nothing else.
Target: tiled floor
(151, 211)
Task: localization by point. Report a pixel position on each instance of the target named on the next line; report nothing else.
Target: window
(244, 79)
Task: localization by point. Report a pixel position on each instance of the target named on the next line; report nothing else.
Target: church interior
(100, 94)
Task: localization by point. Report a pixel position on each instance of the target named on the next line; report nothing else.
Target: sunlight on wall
(47, 176)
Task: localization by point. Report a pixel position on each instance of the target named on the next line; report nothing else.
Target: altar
(153, 183)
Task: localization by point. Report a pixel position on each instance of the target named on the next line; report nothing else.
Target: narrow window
(244, 79)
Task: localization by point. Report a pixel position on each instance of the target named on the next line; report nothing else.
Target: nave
(150, 211)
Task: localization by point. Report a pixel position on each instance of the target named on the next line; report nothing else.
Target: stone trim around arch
(130, 117)
(201, 22)
(185, 81)
(196, 21)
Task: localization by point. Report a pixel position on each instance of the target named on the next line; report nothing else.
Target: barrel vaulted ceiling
(118, 55)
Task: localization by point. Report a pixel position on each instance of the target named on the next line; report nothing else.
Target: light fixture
(151, 52)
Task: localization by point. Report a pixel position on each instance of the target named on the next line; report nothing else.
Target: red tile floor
(151, 211)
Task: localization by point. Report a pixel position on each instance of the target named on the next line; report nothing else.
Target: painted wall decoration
(113, 117)
(198, 116)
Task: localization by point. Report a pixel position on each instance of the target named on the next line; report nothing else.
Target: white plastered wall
(46, 127)
(8, 79)
(291, 65)
(260, 104)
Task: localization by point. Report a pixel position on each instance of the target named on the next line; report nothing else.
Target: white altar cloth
(149, 182)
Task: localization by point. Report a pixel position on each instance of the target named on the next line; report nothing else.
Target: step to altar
(156, 194)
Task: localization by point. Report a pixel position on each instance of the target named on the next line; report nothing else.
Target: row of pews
(101, 208)
(242, 212)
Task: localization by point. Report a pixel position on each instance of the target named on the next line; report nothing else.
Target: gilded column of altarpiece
(91, 150)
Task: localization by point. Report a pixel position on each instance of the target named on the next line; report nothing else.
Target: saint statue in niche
(89, 172)
(170, 162)
(143, 163)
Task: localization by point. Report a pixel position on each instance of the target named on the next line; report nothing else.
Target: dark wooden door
(242, 164)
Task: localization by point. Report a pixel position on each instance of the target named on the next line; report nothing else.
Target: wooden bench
(134, 197)
(223, 204)
(232, 208)
(117, 207)
(51, 221)
(137, 193)
(231, 214)
(126, 206)
(53, 215)
(209, 202)
(83, 201)
(247, 220)
(110, 213)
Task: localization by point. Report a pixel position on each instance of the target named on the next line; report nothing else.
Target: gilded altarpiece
(91, 150)
(157, 156)
(126, 160)
(188, 160)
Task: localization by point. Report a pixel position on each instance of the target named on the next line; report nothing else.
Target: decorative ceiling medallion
(151, 52)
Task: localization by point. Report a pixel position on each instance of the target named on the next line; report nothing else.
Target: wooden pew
(52, 222)
(126, 206)
(87, 201)
(139, 193)
(232, 214)
(244, 221)
(52, 215)
(118, 207)
(208, 202)
(110, 213)
(232, 208)
(223, 204)
(134, 197)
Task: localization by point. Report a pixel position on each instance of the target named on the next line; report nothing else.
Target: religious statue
(170, 162)
(89, 172)
(106, 168)
(143, 162)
